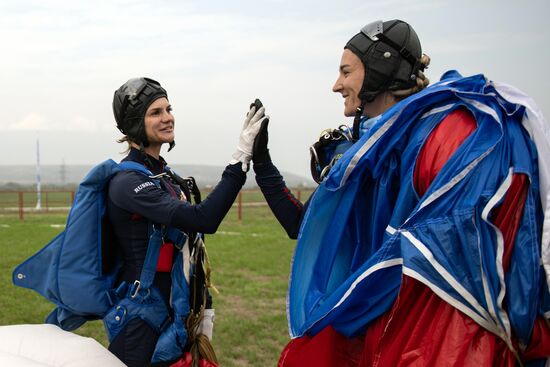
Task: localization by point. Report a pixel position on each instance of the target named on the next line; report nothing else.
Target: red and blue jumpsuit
(420, 329)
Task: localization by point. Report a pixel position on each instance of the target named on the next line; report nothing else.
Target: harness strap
(150, 264)
(135, 166)
(153, 250)
(155, 240)
(200, 267)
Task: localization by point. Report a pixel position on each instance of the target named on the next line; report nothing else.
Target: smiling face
(159, 123)
(349, 82)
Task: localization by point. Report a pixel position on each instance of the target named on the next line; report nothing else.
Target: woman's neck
(152, 150)
(383, 102)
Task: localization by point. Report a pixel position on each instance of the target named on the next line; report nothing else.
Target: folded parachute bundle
(49, 346)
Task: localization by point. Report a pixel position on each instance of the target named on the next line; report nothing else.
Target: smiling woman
(159, 125)
(144, 115)
(426, 182)
(153, 319)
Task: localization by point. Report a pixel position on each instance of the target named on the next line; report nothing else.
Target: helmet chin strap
(357, 121)
(145, 156)
(365, 97)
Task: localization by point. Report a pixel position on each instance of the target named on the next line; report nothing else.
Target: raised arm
(287, 209)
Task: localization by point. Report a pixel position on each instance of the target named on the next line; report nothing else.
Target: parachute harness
(199, 283)
(200, 278)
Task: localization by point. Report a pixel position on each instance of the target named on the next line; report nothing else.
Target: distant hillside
(72, 174)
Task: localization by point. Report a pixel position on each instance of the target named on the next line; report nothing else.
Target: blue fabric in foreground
(68, 270)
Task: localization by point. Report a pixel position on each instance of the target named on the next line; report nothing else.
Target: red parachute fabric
(440, 145)
(421, 329)
(187, 361)
(539, 345)
(326, 349)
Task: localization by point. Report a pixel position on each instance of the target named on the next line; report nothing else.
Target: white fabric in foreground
(46, 345)
(539, 130)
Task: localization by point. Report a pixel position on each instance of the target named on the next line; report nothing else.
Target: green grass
(250, 262)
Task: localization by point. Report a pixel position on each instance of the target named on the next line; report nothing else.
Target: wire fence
(24, 203)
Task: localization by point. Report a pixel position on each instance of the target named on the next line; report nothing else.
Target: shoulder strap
(187, 184)
(150, 263)
(155, 240)
(134, 166)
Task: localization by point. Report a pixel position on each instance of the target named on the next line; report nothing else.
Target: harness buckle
(136, 287)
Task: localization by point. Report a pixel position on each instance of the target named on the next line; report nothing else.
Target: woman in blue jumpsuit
(144, 115)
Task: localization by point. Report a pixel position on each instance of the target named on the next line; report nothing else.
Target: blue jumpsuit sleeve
(288, 210)
(137, 193)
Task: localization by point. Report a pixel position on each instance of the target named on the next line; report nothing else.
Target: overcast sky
(62, 60)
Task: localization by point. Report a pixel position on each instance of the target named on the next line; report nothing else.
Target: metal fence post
(240, 206)
(21, 205)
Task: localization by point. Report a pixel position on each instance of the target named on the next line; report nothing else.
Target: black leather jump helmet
(390, 52)
(130, 102)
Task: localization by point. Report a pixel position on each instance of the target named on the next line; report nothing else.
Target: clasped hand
(254, 120)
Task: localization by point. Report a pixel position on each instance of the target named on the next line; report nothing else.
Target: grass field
(250, 262)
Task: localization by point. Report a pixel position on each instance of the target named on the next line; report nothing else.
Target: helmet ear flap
(118, 110)
(142, 134)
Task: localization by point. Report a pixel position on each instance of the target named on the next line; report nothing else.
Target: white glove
(206, 326)
(251, 126)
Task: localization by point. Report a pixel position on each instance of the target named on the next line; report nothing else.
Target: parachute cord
(201, 348)
(518, 359)
(208, 271)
